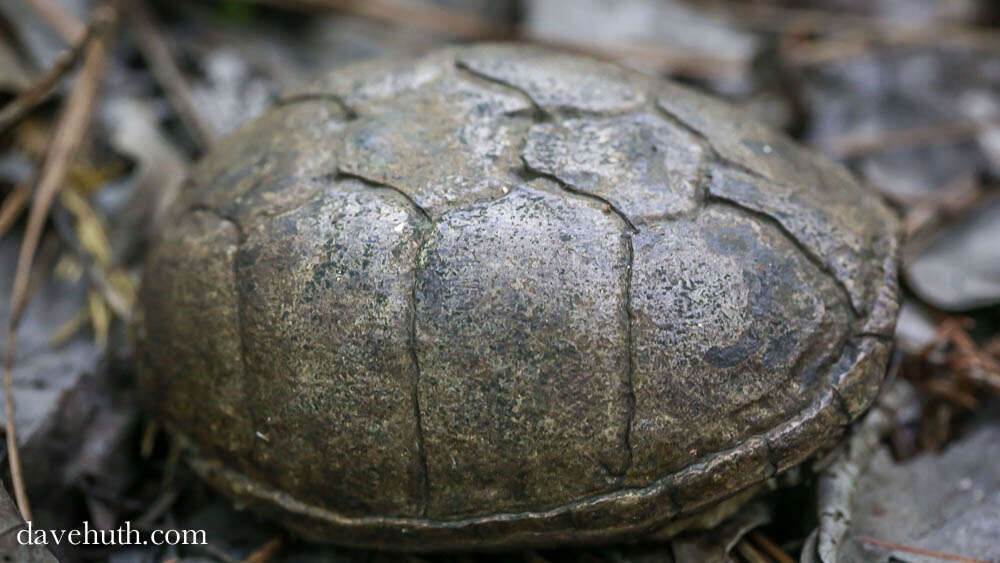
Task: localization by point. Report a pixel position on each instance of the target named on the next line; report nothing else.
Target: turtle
(499, 296)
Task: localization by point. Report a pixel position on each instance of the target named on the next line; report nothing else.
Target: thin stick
(15, 202)
(66, 24)
(156, 50)
(13, 449)
(751, 553)
(782, 19)
(770, 547)
(266, 552)
(920, 551)
(65, 141)
(867, 143)
(860, 42)
(429, 17)
(465, 25)
(96, 273)
(44, 86)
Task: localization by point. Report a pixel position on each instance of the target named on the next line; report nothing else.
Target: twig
(784, 19)
(156, 50)
(69, 328)
(15, 202)
(66, 24)
(772, 549)
(658, 57)
(861, 42)
(977, 366)
(926, 216)
(429, 17)
(148, 438)
(158, 507)
(920, 551)
(44, 86)
(751, 553)
(96, 273)
(464, 25)
(862, 144)
(266, 552)
(13, 450)
(65, 141)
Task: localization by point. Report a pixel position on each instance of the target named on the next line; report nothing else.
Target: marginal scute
(731, 325)
(797, 438)
(602, 517)
(198, 295)
(859, 373)
(520, 338)
(881, 321)
(733, 470)
(335, 420)
(557, 81)
(657, 161)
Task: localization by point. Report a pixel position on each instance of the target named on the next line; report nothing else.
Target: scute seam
(345, 175)
(205, 208)
(350, 113)
(712, 154)
(845, 295)
(841, 405)
(539, 114)
(629, 351)
(532, 173)
(417, 415)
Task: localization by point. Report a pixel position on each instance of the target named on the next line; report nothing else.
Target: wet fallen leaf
(960, 268)
(10, 524)
(42, 374)
(873, 508)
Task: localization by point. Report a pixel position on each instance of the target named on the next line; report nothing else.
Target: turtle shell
(499, 296)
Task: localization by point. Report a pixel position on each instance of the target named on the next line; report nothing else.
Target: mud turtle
(497, 296)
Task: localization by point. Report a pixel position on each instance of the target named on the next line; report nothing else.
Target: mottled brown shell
(499, 296)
